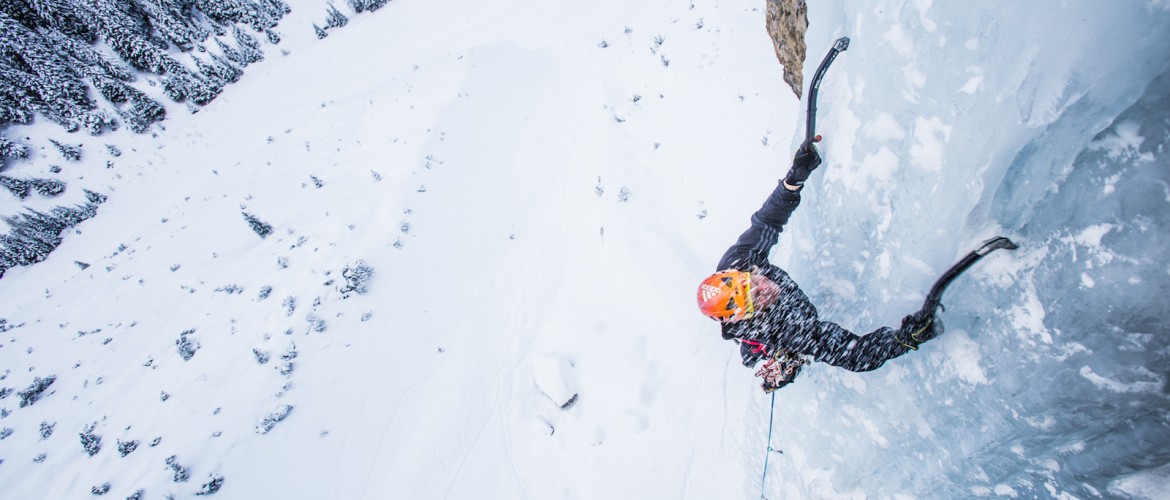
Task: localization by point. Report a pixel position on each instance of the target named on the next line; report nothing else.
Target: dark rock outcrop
(787, 21)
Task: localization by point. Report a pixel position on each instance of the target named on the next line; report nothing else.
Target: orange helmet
(726, 296)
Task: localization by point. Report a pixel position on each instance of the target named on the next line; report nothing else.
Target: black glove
(918, 328)
(806, 160)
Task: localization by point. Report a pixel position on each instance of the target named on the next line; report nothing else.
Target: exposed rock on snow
(787, 21)
(550, 374)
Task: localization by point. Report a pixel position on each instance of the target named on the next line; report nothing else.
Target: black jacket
(791, 323)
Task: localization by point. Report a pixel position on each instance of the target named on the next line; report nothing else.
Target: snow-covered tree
(336, 19)
(260, 227)
(131, 46)
(98, 121)
(18, 187)
(48, 60)
(231, 53)
(181, 84)
(141, 111)
(169, 20)
(38, 78)
(113, 90)
(74, 19)
(275, 8)
(68, 151)
(33, 234)
(21, 187)
(360, 6)
(10, 149)
(32, 237)
(85, 59)
(258, 16)
(248, 45)
(219, 71)
(17, 97)
(47, 187)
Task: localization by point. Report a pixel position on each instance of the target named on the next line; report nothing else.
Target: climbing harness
(780, 370)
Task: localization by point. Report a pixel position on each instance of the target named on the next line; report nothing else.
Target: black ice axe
(810, 134)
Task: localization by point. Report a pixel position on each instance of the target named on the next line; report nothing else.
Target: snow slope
(538, 188)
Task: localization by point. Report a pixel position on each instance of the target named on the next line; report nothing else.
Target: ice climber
(760, 307)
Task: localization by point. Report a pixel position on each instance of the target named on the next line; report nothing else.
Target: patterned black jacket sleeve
(753, 245)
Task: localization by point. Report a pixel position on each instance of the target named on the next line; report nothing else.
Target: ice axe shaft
(811, 136)
(934, 298)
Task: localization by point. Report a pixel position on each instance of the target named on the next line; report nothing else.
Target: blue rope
(768, 452)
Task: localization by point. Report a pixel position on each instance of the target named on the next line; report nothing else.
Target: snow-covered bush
(182, 474)
(316, 323)
(357, 277)
(231, 289)
(290, 305)
(95, 198)
(34, 391)
(286, 366)
(90, 442)
(126, 447)
(275, 416)
(186, 346)
(260, 227)
(210, 487)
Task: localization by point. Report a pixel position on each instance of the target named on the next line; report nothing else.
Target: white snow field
(539, 187)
